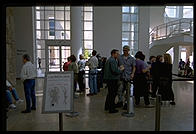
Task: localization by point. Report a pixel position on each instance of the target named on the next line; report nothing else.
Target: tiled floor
(92, 116)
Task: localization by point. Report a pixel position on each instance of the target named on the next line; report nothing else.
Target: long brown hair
(167, 58)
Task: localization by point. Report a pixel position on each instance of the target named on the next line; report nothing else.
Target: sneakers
(149, 106)
(12, 106)
(19, 101)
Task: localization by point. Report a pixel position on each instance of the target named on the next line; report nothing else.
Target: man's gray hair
(27, 57)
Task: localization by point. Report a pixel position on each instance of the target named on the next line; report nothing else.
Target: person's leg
(120, 91)
(9, 97)
(107, 102)
(146, 91)
(15, 94)
(136, 83)
(111, 90)
(95, 84)
(33, 97)
(80, 80)
(154, 87)
(91, 82)
(27, 91)
(83, 81)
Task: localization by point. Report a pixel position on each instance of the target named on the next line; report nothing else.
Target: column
(10, 47)
(176, 60)
(143, 33)
(76, 31)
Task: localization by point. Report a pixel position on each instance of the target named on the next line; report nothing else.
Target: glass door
(57, 53)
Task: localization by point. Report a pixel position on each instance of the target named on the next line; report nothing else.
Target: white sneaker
(12, 106)
(19, 101)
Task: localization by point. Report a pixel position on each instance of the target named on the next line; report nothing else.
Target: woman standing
(165, 85)
(73, 66)
(140, 81)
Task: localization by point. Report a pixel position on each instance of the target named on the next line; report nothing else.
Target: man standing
(124, 84)
(93, 64)
(28, 74)
(112, 76)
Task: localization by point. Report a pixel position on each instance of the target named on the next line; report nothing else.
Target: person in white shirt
(93, 64)
(28, 74)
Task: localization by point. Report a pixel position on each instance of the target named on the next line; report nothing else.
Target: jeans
(93, 81)
(29, 89)
(9, 96)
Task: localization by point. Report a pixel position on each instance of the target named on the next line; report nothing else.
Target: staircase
(167, 35)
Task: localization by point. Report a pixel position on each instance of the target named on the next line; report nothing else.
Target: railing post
(158, 111)
(179, 25)
(190, 28)
(166, 30)
(130, 103)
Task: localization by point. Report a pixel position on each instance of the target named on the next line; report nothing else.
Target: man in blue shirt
(127, 75)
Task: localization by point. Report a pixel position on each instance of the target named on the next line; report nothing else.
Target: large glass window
(187, 11)
(171, 11)
(87, 30)
(51, 22)
(130, 28)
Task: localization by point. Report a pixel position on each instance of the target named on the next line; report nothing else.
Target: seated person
(11, 90)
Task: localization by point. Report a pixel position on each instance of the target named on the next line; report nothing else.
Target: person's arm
(133, 68)
(144, 70)
(24, 73)
(133, 72)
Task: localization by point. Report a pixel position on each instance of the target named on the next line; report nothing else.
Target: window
(51, 22)
(187, 11)
(171, 11)
(130, 28)
(87, 30)
(51, 27)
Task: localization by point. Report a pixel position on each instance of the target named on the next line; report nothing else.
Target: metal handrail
(171, 29)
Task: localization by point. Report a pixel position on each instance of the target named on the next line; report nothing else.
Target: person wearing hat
(127, 75)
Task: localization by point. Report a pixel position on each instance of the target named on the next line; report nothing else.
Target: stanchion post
(130, 104)
(60, 121)
(157, 112)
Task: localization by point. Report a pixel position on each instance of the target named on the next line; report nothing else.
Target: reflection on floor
(92, 116)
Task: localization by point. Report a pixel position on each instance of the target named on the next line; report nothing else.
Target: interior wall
(107, 29)
(156, 16)
(23, 34)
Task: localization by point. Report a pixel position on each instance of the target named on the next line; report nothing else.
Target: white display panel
(58, 92)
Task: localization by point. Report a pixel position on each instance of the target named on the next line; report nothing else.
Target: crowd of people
(117, 72)
(149, 78)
